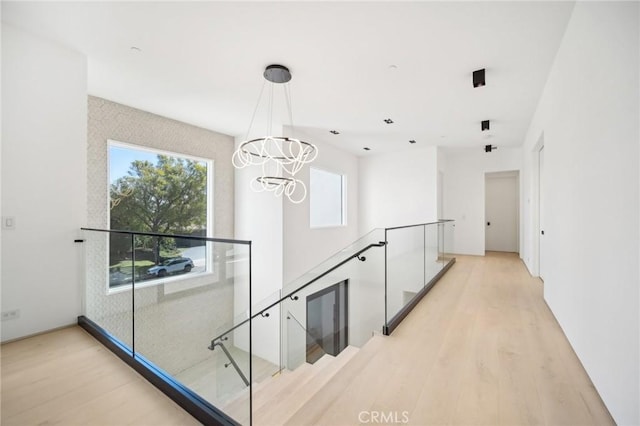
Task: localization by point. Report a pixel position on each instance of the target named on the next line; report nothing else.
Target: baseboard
(192, 403)
(39, 333)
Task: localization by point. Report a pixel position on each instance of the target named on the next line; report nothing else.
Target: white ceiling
(202, 63)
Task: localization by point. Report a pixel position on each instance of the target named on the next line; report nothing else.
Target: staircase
(277, 399)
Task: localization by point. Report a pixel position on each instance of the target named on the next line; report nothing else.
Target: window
(157, 192)
(327, 198)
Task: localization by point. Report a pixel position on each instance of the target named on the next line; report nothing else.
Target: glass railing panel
(109, 273)
(187, 288)
(366, 297)
(266, 337)
(230, 389)
(405, 266)
(447, 248)
(374, 237)
(257, 366)
(433, 260)
(301, 346)
(342, 308)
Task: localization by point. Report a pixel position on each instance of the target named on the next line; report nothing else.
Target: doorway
(327, 321)
(541, 262)
(502, 211)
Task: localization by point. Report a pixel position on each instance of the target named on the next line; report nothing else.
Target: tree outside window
(158, 193)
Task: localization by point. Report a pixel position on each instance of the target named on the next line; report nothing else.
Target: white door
(501, 211)
(540, 213)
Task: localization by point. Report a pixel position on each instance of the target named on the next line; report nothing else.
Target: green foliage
(168, 197)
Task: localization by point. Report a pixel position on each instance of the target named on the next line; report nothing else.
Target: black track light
(478, 78)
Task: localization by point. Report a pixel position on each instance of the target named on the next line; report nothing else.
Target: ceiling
(354, 64)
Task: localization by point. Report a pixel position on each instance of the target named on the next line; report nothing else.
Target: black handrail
(156, 234)
(420, 224)
(290, 295)
(233, 361)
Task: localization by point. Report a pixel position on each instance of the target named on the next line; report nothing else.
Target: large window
(157, 192)
(327, 198)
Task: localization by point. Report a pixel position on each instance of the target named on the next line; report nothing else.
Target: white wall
(304, 248)
(464, 195)
(589, 116)
(44, 132)
(398, 189)
(284, 246)
(258, 217)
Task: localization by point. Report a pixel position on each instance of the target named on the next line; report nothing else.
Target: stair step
(238, 408)
(287, 394)
(278, 384)
(312, 410)
(283, 405)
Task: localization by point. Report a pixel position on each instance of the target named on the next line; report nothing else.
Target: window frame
(343, 201)
(209, 269)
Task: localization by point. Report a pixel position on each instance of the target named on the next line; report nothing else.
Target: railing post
(441, 234)
(250, 347)
(385, 329)
(133, 293)
(424, 255)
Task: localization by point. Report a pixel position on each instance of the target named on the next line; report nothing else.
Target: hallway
(481, 349)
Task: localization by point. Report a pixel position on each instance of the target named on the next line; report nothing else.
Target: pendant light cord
(255, 110)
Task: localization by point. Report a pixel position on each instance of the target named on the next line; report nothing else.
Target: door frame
(496, 175)
(535, 205)
(336, 329)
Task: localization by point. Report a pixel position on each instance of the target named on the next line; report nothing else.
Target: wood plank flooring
(481, 349)
(67, 378)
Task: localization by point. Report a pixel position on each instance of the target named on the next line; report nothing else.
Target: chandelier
(279, 157)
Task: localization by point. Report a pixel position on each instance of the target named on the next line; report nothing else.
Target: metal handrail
(233, 361)
(439, 221)
(291, 294)
(156, 234)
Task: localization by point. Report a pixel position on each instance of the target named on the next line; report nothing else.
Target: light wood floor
(481, 349)
(67, 378)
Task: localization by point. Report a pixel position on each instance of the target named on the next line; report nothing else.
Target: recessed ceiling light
(478, 78)
(388, 121)
(367, 148)
(412, 141)
(334, 132)
(484, 125)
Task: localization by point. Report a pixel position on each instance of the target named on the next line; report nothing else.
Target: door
(327, 321)
(501, 211)
(541, 192)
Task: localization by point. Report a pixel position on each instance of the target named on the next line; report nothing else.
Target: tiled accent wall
(109, 120)
(171, 331)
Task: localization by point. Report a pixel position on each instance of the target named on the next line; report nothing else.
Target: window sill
(154, 282)
(328, 226)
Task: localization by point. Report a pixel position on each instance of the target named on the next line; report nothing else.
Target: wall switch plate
(10, 315)
(8, 222)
